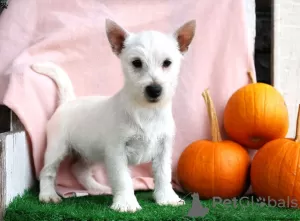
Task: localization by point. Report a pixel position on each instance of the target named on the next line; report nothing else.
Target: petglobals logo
(251, 201)
(197, 210)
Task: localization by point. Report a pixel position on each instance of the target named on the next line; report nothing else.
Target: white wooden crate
(16, 174)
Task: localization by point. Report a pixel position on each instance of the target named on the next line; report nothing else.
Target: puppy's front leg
(118, 173)
(161, 165)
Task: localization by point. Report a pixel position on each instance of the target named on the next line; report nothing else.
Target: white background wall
(286, 55)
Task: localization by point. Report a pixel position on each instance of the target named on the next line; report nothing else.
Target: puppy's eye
(137, 63)
(166, 63)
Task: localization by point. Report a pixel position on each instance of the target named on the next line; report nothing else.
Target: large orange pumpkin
(214, 168)
(275, 170)
(256, 114)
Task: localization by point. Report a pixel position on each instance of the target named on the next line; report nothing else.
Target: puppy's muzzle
(153, 92)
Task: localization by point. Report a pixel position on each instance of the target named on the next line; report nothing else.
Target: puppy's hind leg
(55, 153)
(82, 170)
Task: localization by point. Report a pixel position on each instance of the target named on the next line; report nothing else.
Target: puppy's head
(150, 60)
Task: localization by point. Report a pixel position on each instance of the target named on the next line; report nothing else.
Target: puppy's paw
(167, 197)
(125, 203)
(49, 198)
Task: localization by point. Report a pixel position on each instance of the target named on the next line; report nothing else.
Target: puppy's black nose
(153, 90)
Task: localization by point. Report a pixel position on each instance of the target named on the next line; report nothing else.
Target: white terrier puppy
(134, 126)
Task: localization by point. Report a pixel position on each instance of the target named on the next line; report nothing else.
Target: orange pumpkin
(275, 170)
(256, 114)
(213, 168)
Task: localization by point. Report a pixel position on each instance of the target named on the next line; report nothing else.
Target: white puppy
(134, 126)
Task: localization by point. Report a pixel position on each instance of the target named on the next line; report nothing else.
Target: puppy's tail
(60, 77)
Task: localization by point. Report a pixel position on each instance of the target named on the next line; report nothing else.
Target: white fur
(125, 129)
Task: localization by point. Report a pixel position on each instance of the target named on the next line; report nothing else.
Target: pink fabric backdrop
(72, 34)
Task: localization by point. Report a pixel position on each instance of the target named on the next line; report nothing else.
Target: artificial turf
(94, 208)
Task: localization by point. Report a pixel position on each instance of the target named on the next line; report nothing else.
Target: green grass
(94, 208)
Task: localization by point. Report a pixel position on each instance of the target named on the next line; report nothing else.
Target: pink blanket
(71, 33)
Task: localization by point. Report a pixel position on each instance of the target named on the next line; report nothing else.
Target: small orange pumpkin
(213, 168)
(256, 114)
(275, 170)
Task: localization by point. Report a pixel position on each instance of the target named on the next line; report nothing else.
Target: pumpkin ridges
(243, 177)
(238, 118)
(251, 89)
(210, 177)
(217, 181)
(242, 161)
(285, 150)
(197, 169)
(298, 156)
(260, 120)
(215, 145)
(229, 175)
(279, 129)
(275, 169)
(289, 168)
(182, 164)
(251, 112)
(284, 183)
(261, 174)
(257, 173)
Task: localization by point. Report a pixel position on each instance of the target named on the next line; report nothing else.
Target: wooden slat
(18, 163)
(2, 176)
(16, 169)
(286, 55)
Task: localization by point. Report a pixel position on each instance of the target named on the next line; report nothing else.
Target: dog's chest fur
(147, 133)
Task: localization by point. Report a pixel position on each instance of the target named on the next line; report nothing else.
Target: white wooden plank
(286, 55)
(19, 176)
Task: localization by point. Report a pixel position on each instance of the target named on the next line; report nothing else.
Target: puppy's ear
(185, 34)
(116, 36)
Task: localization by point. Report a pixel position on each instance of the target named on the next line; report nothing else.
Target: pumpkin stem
(215, 130)
(297, 138)
(250, 75)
